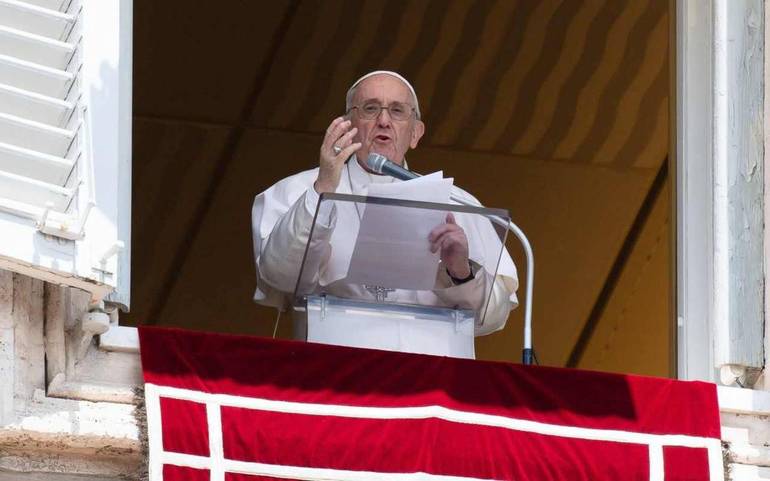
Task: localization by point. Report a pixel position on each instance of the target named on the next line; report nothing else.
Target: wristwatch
(457, 281)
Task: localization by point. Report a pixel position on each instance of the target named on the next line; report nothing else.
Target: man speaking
(382, 115)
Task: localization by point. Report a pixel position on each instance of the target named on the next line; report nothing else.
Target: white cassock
(282, 217)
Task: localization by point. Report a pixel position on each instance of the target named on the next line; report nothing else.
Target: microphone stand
(528, 354)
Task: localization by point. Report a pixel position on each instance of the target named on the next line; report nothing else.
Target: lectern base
(391, 327)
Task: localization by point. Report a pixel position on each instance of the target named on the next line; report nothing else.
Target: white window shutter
(106, 46)
(65, 136)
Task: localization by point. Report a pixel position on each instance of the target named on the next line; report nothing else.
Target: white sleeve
(282, 254)
(499, 306)
(471, 295)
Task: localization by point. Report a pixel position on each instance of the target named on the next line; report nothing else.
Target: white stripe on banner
(716, 464)
(657, 471)
(656, 441)
(154, 432)
(216, 446)
(303, 473)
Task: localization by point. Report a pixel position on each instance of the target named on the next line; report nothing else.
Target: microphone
(380, 164)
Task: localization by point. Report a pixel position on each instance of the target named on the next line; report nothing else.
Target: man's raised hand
(339, 134)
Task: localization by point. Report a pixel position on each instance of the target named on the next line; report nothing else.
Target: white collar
(360, 177)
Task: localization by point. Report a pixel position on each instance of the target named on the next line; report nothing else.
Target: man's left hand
(450, 239)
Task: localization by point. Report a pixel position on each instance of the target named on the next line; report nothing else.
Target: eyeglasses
(398, 110)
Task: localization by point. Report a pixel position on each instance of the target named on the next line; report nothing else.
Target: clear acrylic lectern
(368, 278)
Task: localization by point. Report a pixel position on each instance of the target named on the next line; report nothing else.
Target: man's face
(384, 135)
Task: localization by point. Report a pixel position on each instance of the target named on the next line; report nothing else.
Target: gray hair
(352, 90)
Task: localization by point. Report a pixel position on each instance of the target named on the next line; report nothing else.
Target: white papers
(392, 248)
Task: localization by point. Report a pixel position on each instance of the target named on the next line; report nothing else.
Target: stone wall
(65, 409)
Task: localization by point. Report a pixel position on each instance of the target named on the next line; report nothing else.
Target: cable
(277, 320)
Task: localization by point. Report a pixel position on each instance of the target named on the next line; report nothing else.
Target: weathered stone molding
(66, 406)
(745, 417)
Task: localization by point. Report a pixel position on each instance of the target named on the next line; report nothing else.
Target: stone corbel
(75, 366)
